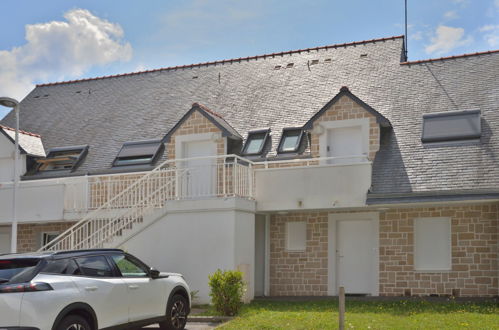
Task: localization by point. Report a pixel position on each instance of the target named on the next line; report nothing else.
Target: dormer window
(452, 126)
(290, 140)
(255, 142)
(138, 153)
(62, 159)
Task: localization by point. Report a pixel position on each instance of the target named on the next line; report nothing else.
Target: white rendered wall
(245, 250)
(312, 187)
(195, 238)
(7, 160)
(45, 200)
(36, 202)
(260, 254)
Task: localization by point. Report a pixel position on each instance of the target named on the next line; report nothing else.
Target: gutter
(432, 196)
(65, 173)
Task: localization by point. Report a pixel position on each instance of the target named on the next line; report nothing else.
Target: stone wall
(475, 254)
(345, 108)
(299, 273)
(103, 188)
(29, 235)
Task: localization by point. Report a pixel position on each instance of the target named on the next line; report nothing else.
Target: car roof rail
(87, 251)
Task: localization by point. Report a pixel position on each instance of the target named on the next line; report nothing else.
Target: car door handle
(91, 288)
(133, 287)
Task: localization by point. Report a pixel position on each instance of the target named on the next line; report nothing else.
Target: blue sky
(45, 41)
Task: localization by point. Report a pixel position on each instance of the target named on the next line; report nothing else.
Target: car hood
(169, 274)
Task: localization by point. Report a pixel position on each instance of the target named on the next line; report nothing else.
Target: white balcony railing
(118, 202)
(203, 177)
(76, 194)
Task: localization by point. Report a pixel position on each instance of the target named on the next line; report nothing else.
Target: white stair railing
(128, 198)
(135, 201)
(125, 218)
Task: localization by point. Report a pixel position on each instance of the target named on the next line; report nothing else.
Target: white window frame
(448, 240)
(292, 246)
(42, 243)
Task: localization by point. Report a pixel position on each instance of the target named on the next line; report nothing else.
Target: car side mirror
(154, 273)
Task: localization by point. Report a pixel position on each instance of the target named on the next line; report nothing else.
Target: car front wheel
(74, 322)
(176, 314)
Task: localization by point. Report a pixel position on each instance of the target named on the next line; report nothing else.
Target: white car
(88, 290)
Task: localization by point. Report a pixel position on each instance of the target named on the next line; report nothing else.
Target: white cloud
(418, 35)
(140, 67)
(446, 39)
(496, 3)
(450, 15)
(491, 34)
(61, 49)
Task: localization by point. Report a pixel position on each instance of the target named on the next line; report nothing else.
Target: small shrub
(227, 289)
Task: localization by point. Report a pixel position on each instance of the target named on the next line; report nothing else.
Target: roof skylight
(255, 142)
(451, 126)
(138, 153)
(62, 159)
(290, 140)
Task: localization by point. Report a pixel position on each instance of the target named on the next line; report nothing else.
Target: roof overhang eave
(432, 197)
(380, 119)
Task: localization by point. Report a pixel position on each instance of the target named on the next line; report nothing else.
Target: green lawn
(367, 315)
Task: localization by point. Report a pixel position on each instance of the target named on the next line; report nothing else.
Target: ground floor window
(432, 244)
(48, 237)
(296, 236)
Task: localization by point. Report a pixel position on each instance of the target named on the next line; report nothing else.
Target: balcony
(313, 183)
(317, 183)
(63, 199)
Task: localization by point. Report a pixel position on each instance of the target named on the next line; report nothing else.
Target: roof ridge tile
(256, 57)
(450, 57)
(20, 131)
(205, 108)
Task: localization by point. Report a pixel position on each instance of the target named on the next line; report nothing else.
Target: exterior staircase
(124, 205)
(122, 214)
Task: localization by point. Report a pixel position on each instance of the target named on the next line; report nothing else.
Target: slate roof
(286, 90)
(30, 143)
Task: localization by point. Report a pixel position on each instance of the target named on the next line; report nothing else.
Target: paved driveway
(191, 326)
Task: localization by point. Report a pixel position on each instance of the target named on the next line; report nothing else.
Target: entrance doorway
(353, 249)
(353, 253)
(200, 180)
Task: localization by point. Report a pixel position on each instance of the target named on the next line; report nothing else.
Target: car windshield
(17, 270)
